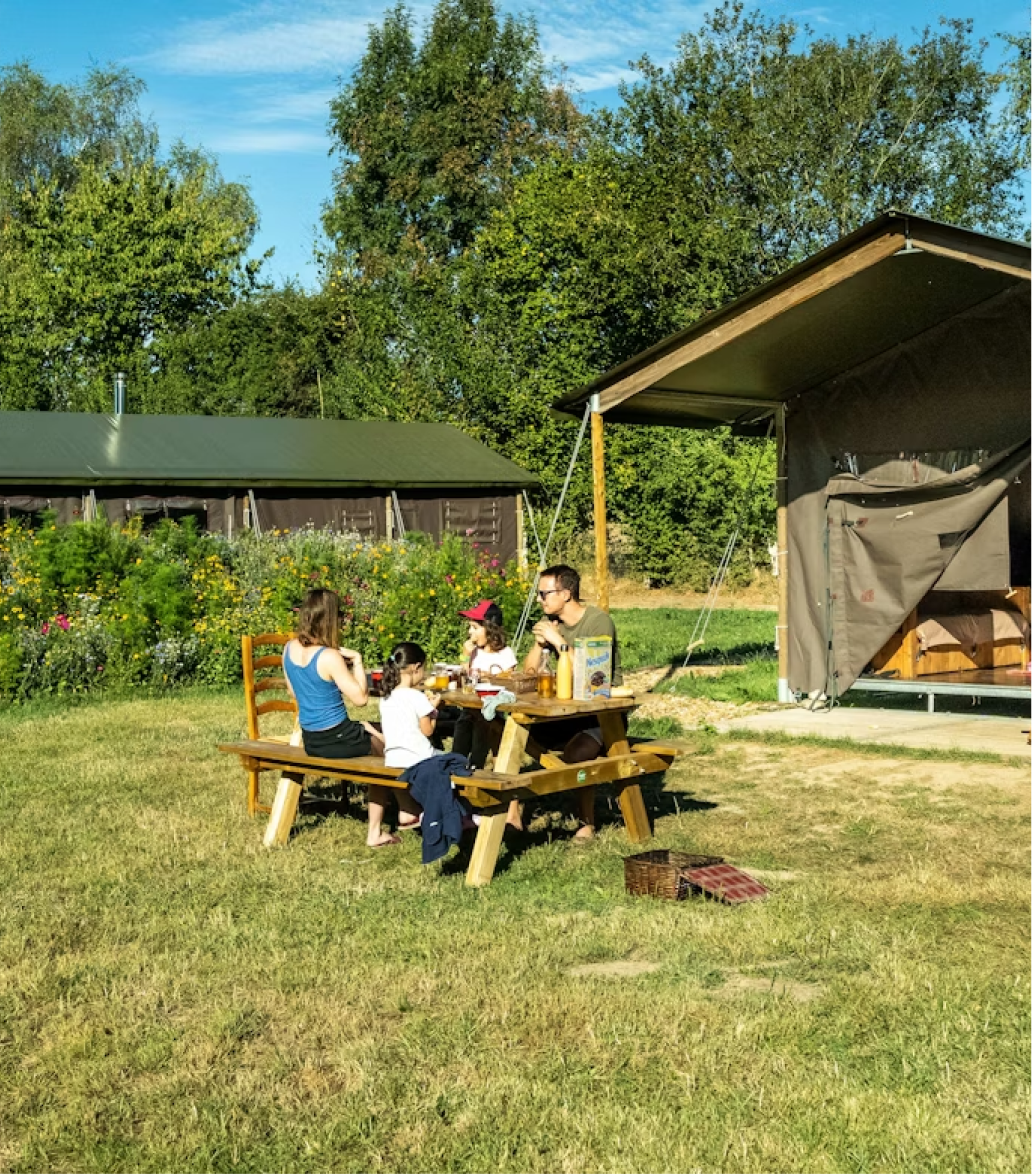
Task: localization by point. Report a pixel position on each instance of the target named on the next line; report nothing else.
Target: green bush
(89, 605)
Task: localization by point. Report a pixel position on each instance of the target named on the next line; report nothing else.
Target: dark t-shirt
(594, 622)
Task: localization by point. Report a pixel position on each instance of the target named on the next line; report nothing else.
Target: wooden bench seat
(488, 792)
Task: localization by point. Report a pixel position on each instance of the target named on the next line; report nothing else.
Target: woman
(322, 676)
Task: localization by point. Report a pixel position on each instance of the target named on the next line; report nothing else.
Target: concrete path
(893, 727)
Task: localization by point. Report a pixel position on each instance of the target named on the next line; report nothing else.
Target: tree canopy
(107, 249)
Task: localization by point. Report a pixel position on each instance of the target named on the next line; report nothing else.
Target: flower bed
(88, 605)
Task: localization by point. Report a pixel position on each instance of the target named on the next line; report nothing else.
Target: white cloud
(273, 37)
(280, 142)
(280, 104)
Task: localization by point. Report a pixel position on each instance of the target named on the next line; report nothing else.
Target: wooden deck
(1013, 683)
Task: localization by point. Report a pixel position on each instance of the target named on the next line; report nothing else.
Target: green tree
(266, 355)
(106, 249)
(432, 137)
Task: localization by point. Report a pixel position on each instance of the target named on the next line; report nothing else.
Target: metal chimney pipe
(120, 393)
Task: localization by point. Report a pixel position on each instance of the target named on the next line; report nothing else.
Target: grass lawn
(737, 637)
(173, 996)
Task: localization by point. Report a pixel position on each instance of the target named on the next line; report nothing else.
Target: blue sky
(251, 81)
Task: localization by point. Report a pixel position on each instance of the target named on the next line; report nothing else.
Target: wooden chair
(253, 686)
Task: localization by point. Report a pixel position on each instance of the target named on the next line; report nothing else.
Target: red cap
(485, 611)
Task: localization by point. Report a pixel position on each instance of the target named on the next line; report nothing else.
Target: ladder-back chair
(255, 685)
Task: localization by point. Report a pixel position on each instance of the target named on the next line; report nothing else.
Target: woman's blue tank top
(320, 705)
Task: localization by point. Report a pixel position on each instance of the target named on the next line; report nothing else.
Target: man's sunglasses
(549, 591)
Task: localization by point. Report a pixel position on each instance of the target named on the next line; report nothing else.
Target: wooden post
(521, 535)
(284, 810)
(598, 478)
(389, 517)
(784, 696)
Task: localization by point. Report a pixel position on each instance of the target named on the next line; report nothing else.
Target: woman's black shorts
(348, 740)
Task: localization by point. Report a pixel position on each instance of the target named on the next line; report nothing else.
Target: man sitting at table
(567, 619)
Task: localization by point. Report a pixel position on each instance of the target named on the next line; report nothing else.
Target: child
(487, 649)
(408, 716)
(489, 653)
(321, 676)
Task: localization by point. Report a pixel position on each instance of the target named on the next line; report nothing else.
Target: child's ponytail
(406, 655)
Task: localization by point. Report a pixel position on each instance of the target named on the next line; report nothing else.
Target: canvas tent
(372, 477)
(895, 366)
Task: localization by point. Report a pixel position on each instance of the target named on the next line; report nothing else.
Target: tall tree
(106, 248)
(432, 136)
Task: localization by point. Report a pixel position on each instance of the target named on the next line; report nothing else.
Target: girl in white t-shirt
(487, 649)
(488, 653)
(407, 714)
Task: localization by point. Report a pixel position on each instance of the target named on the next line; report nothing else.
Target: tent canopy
(74, 448)
(888, 282)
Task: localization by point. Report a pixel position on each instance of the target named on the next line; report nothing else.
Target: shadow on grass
(658, 802)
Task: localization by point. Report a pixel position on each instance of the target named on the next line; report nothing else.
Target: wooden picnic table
(521, 716)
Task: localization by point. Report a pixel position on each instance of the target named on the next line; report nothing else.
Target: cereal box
(592, 667)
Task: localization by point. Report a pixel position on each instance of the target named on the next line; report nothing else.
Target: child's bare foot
(585, 832)
(384, 841)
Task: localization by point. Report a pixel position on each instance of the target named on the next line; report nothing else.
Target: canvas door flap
(885, 552)
(982, 562)
(885, 556)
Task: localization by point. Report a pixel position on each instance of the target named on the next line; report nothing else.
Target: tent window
(361, 521)
(152, 509)
(28, 510)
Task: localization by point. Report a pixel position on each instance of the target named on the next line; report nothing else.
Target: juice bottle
(564, 675)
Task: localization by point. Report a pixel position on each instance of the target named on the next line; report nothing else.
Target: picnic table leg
(632, 805)
(485, 849)
(636, 818)
(284, 809)
(508, 760)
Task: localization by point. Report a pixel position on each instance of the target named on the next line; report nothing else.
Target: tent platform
(1002, 682)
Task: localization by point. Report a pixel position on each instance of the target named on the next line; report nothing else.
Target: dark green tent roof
(75, 448)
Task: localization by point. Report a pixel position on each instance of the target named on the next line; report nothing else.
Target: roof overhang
(882, 285)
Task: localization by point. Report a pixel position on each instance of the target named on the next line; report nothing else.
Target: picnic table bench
(488, 792)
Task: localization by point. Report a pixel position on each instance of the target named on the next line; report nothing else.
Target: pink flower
(62, 623)
(45, 629)
(494, 562)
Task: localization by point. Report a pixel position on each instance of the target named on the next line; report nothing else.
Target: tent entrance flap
(887, 550)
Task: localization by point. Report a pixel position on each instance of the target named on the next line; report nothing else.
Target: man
(567, 619)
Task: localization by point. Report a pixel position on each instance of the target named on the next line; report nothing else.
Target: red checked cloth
(726, 883)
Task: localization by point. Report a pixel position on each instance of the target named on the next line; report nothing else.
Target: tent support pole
(784, 695)
(598, 480)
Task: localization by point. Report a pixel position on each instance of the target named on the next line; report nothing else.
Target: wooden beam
(804, 288)
(782, 553)
(598, 480)
(970, 258)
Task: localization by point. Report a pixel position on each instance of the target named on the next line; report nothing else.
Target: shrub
(87, 605)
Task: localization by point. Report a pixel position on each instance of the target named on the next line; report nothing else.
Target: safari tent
(893, 369)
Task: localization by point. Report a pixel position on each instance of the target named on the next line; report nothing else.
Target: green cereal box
(592, 667)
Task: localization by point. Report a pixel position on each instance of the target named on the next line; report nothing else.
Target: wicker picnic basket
(663, 873)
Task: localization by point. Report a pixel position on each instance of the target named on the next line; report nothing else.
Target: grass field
(172, 996)
(650, 637)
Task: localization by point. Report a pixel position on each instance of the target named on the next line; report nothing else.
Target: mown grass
(735, 636)
(660, 636)
(172, 996)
